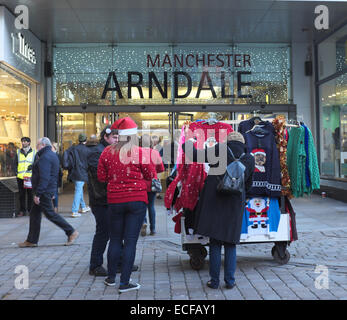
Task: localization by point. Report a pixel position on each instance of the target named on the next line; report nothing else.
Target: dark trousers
(229, 261)
(101, 236)
(46, 207)
(125, 222)
(25, 196)
(56, 199)
(151, 210)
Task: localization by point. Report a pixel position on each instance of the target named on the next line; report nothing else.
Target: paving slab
(317, 269)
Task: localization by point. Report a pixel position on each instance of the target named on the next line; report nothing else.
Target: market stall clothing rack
(196, 247)
(197, 251)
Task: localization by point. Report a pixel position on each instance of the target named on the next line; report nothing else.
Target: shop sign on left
(22, 49)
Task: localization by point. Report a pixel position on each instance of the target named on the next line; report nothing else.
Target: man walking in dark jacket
(45, 173)
(75, 160)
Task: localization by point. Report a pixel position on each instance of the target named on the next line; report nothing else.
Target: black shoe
(110, 282)
(211, 285)
(230, 286)
(129, 287)
(98, 272)
(152, 233)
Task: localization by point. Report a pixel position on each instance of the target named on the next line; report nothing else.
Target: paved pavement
(317, 268)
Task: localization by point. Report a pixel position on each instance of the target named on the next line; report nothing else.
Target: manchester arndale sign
(22, 48)
(182, 80)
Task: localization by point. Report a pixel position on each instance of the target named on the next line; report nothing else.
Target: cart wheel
(197, 263)
(273, 250)
(203, 252)
(278, 258)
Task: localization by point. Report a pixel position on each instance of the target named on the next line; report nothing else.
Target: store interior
(14, 124)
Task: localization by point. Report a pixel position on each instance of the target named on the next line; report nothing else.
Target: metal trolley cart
(195, 246)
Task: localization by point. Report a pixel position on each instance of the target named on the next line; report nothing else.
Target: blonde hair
(236, 136)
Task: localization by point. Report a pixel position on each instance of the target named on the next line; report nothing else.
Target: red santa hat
(258, 151)
(125, 126)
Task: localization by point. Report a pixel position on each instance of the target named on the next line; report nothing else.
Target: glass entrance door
(70, 125)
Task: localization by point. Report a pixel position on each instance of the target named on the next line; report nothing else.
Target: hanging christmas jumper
(247, 125)
(207, 133)
(261, 217)
(307, 161)
(282, 142)
(267, 173)
(296, 161)
(191, 176)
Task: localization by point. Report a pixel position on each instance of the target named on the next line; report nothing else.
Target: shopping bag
(156, 185)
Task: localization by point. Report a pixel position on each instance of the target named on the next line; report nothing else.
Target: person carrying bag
(221, 202)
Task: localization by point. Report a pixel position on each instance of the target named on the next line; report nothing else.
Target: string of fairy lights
(80, 72)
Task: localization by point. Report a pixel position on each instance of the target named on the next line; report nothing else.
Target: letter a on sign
(322, 20)
(22, 21)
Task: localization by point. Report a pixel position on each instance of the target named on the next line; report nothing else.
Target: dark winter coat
(97, 190)
(219, 216)
(45, 172)
(76, 161)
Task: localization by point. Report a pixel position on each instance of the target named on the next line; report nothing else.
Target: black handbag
(233, 181)
(156, 185)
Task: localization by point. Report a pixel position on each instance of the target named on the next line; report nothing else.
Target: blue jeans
(125, 222)
(101, 236)
(56, 198)
(229, 261)
(151, 210)
(78, 197)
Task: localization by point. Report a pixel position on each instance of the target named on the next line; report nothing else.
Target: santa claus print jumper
(267, 172)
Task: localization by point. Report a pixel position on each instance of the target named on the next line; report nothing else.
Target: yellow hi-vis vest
(23, 163)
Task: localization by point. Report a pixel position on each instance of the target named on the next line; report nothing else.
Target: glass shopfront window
(332, 63)
(333, 100)
(164, 74)
(332, 54)
(14, 119)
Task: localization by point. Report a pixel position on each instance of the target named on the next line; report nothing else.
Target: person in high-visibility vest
(24, 160)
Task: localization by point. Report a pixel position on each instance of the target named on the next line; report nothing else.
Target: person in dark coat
(45, 171)
(98, 201)
(75, 160)
(219, 216)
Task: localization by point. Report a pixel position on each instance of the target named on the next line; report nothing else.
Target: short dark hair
(27, 139)
(107, 131)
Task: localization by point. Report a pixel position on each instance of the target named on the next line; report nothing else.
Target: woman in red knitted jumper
(125, 167)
